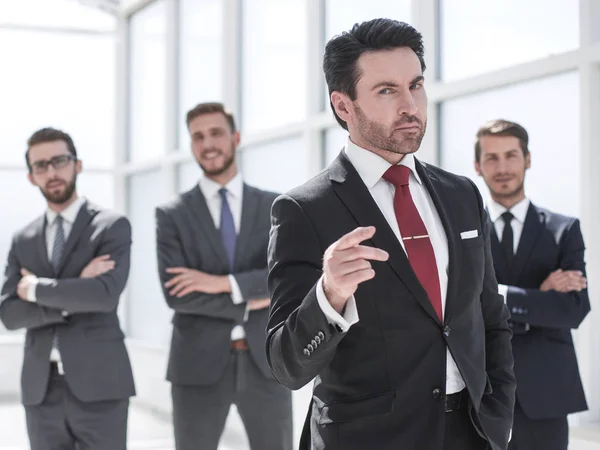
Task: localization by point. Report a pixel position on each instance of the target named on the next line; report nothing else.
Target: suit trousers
(62, 422)
(265, 407)
(460, 433)
(545, 434)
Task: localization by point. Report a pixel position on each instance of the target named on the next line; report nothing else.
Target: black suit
(96, 365)
(381, 384)
(549, 385)
(202, 368)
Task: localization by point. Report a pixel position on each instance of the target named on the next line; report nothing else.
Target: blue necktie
(227, 228)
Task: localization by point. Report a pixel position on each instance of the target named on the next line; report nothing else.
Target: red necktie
(414, 235)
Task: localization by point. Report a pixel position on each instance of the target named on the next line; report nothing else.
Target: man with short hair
(64, 277)
(212, 260)
(539, 261)
(381, 275)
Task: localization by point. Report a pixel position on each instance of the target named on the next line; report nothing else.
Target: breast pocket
(472, 242)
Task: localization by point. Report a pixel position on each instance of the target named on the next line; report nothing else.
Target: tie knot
(507, 217)
(59, 220)
(397, 175)
(223, 193)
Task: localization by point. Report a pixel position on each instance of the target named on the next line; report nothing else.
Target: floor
(147, 432)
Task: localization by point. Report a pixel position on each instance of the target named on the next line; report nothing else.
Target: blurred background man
(539, 261)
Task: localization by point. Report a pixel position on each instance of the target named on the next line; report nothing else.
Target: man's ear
(477, 168)
(342, 105)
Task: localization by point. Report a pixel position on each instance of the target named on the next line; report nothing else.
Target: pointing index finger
(355, 237)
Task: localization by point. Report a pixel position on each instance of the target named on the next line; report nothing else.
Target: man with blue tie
(539, 262)
(212, 259)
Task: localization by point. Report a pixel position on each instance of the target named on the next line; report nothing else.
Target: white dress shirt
(69, 214)
(371, 168)
(519, 212)
(235, 191)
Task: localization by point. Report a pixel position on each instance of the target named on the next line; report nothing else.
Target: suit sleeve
(93, 295)
(497, 406)
(552, 309)
(16, 313)
(295, 319)
(169, 250)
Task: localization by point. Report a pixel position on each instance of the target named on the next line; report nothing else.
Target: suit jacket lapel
(439, 194)
(197, 205)
(354, 194)
(42, 248)
(250, 212)
(500, 262)
(84, 216)
(532, 229)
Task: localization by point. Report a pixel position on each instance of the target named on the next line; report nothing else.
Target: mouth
(408, 128)
(55, 184)
(211, 154)
(503, 180)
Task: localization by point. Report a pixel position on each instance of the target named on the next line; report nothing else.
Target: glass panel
(477, 38)
(148, 85)
(62, 80)
(554, 149)
(98, 188)
(335, 140)
(201, 50)
(148, 314)
(188, 174)
(56, 13)
(276, 166)
(274, 63)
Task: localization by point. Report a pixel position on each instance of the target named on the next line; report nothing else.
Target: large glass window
(276, 166)
(53, 79)
(334, 139)
(274, 63)
(147, 82)
(201, 57)
(188, 174)
(554, 139)
(477, 37)
(148, 315)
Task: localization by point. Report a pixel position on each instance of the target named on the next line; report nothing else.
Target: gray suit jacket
(202, 323)
(91, 343)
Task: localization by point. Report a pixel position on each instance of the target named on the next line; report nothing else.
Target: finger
(352, 266)
(25, 272)
(354, 238)
(187, 290)
(176, 269)
(179, 287)
(101, 258)
(355, 278)
(366, 252)
(175, 280)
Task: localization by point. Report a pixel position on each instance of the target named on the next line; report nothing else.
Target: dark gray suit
(206, 375)
(87, 405)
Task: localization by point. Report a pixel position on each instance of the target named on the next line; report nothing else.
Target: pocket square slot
(468, 234)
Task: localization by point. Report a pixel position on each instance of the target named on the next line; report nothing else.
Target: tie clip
(423, 236)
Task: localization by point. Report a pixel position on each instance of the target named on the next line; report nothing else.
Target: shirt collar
(519, 211)
(211, 188)
(371, 166)
(69, 214)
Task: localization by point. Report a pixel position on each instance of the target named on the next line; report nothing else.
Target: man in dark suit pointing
(381, 276)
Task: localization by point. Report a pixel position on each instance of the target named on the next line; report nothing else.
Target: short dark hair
(340, 62)
(210, 108)
(501, 127)
(49, 135)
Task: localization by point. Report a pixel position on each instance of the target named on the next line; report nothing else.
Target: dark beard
(377, 136)
(63, 197)
(228, 163)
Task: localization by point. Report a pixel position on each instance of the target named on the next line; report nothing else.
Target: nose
(407, 104)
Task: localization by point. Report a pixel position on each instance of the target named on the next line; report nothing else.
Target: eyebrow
(393, 84)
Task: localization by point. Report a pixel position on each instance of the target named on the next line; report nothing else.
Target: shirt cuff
(236, 293)
(503, 291)
(31, 294)
(350, 316)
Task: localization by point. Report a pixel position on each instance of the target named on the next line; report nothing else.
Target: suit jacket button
(321, 335)
(317, 340)
(306, 352)
(437, 394)
(446, 331)
(314, 343)
(310, 348)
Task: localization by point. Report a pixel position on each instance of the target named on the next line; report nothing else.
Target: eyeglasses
(58, 162)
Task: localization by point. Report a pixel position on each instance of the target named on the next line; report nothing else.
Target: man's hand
(97, 266)
(24, 283)
(254, 305)
(564, 281)
(346, 265)
(187, 281)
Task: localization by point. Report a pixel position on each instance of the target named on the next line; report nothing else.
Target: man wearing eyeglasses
(64, 276)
